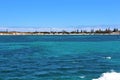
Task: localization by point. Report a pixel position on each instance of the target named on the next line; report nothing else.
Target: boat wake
(109, 76)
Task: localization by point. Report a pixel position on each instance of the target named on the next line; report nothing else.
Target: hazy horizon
(71, 28)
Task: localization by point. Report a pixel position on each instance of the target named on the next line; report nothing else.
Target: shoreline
(59, 33)
(108, 31)
(52, 34)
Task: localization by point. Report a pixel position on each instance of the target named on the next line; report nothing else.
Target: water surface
(58, 57)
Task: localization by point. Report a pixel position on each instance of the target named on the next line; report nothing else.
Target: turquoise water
(58, 57)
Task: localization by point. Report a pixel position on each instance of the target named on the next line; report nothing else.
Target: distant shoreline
(107, 31)
(31, 33)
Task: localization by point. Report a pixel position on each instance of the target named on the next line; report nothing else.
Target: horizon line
(71, 28)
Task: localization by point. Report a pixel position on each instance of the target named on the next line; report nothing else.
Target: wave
(109, 76)
(108, 57)
(81, 77)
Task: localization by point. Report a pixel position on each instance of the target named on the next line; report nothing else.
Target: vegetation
(92, 31)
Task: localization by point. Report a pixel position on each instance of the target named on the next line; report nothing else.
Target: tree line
(77, 31)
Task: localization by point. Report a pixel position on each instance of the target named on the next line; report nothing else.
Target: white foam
(108, 57)
(109, 76)
(82, 77)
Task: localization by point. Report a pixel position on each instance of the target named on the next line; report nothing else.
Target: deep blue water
(58, 57)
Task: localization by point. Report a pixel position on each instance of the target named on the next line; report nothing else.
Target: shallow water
(58, 57)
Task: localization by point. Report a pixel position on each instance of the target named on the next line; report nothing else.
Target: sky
(58, 13)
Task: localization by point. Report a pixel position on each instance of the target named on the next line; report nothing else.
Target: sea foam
(82, 77)
(108, 57)
(109, 76)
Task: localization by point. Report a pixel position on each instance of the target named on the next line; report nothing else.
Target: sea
(60, 57)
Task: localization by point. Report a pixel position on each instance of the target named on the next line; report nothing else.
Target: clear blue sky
(58, 13)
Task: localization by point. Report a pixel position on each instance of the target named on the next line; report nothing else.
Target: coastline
(107, 31)
(25, 33)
